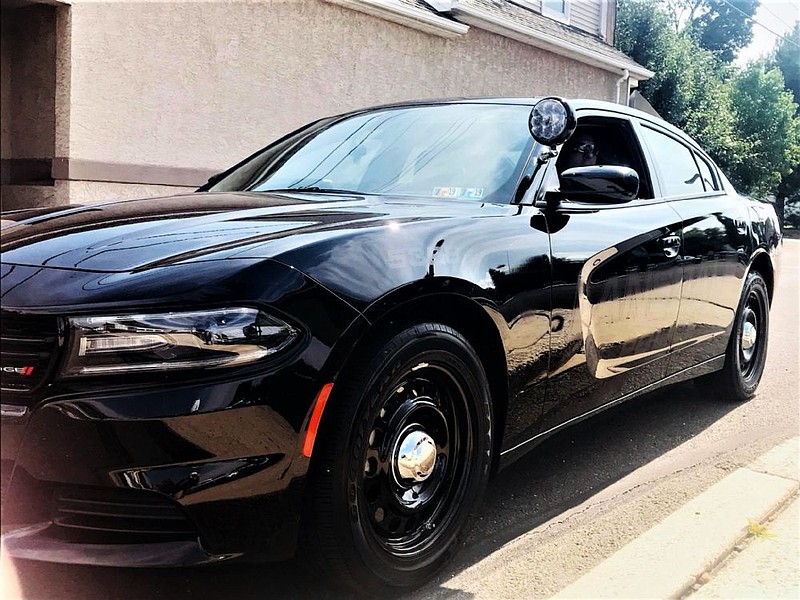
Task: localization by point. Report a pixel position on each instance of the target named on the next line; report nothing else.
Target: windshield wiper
(315, 190)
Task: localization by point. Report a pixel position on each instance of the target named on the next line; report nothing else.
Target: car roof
(576, 103)
(579, 104)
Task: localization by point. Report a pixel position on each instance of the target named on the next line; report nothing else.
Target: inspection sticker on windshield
(457, 192)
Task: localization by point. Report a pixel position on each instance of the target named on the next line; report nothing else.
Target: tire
(376, 520)
(747, 348)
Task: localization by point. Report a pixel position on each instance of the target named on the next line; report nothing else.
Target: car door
(714, 250)
(616, 286)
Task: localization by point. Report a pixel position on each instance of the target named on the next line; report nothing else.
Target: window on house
(556, 9)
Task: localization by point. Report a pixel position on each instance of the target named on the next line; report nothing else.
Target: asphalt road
(554, 514)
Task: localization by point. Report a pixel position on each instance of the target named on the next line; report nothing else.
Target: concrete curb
(765, 566)
(666, 560)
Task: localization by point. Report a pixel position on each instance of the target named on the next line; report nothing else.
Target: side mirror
(600, 184)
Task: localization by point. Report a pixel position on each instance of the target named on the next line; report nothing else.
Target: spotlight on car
(552, 121)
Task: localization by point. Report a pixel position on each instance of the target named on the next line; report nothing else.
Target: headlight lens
(175, 340)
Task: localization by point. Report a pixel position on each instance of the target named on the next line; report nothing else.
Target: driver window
(604, 141)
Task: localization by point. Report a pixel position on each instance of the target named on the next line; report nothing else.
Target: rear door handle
(671, 245)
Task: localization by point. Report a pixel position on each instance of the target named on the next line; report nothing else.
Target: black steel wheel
(404, 457)
(747, 348)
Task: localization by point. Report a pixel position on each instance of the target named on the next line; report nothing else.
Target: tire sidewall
(399, 354)
(746, 386)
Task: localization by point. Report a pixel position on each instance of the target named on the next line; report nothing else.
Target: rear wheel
(403, 458)
(747, 348)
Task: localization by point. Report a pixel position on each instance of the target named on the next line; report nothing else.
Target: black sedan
(331, 347)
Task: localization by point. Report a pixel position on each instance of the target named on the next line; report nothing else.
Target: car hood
(137, 235)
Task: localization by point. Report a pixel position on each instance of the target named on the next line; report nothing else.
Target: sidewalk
(765, 566)
(675, 558)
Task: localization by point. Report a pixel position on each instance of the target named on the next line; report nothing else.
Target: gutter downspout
(626, 77)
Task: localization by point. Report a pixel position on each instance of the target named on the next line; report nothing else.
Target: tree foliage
(787, 59)
(724, 27)
(745, 120)
(687, 89)
(766, 121)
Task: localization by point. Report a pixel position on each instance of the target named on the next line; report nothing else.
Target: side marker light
(316, 416)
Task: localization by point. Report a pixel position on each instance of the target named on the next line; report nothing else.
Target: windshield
(467, 151)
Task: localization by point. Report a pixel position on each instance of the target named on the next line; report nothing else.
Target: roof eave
(506, 27)
(423, 20)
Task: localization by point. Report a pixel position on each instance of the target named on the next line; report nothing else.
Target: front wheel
(403, 458)
(747, 348)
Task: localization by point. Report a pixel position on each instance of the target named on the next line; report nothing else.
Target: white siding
(585, 15)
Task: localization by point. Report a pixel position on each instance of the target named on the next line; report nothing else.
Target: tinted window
(708, 174)
(675, 164)
(613, 142)
(468, 151)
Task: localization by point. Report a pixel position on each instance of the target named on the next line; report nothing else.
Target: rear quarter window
(675, 164)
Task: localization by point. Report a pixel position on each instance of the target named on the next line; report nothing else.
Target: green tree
(745, 120)
(766, 120)
(787, 59)
(687, 89)
(724, 26)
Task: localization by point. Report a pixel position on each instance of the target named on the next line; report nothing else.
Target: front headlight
(227, 337)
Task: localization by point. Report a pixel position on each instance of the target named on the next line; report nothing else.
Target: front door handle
(671, 245)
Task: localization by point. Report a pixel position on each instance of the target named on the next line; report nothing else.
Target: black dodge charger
(331, 347)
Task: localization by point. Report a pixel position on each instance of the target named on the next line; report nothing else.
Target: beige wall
(80, 192)
(5, 86)
(28, 82)
(204, 84)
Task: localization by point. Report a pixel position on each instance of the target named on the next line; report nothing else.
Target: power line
(765, 6)
(751, 18)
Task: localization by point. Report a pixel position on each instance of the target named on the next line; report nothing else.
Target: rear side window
(709, 180)
(675, 164)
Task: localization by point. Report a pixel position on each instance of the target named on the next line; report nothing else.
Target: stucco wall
(5, 86)
(203, 84)
(28, 82)
(80, 192)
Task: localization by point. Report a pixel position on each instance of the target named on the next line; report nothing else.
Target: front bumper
(173, 470)
(97, 480)
(34, 543)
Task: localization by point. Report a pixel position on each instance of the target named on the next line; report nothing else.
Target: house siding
(585, 15)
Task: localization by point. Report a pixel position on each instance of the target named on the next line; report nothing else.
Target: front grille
(28, 352)
(100, 515)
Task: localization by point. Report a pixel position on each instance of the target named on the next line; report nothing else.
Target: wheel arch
(475, 321)
(762, 265)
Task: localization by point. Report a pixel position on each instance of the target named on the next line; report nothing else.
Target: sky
(777, 15)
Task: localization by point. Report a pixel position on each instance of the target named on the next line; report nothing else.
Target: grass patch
(756, 530)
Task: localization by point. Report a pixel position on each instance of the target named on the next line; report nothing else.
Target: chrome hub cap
(749, 334)
(415, 456)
